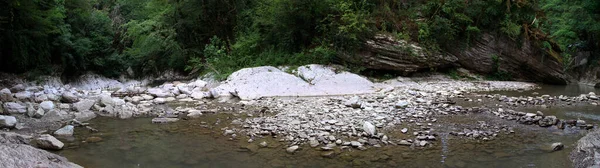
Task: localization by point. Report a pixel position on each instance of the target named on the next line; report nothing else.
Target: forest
(141, 37)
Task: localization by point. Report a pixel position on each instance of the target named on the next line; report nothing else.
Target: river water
(200, 143)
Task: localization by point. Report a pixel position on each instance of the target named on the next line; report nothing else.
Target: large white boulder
(312, 80)
(84, 105)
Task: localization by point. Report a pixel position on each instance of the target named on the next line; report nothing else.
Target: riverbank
(354, 114)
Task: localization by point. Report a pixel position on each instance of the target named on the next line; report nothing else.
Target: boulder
(384, 52)
(20, 155)
(353, 102)
(14, 138)
(57, 115)
(587, 151)
(68, 97)
(523, 61)
(157, 92)
(548, 121)
(369, 128)
(14, 108)
(84, 116)
(48, 142)
(65, 131)
(266, 81)
(6, 95)
(24, 96)
(84, 105)
(47, 105)
(7, 121)
(37, 113)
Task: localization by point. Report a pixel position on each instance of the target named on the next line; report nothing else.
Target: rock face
(524, 62)
(312, 80)
(20, 155)
(587, 152)
(48, 142)
(384, 52)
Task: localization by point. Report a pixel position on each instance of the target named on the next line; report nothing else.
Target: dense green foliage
(221, 36)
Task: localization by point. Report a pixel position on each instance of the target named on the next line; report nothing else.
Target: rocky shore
(313, 106)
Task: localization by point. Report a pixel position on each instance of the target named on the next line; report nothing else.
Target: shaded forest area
(112, 37)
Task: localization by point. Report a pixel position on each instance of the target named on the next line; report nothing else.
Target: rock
(197, 95)
(404, 130)
(263, 144)
(7, 121)
(292, 149)
(194, 113)
(423, 143)
(47, 105)
(160, 101)
(328, 154)
(93, 139)
(68, 97)
(39, 113)
(384, 52)
(586, 153)
(57, 115)
(6, 95)
(557, 146)
(84, 116)
(313, 143)
(20, 155)
(48, 142)
(369, 128)
(266, 81)
(402, 104)
(580, 123)
(156, 92)
(404, 143)
(65, 131)
(164, 120)
(84, 105)
(548, 121)
(14, 108)
(355, 143)
(24, 96)
(353, 102)
(512, 56)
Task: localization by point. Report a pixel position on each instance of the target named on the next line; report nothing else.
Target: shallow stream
(200, 143)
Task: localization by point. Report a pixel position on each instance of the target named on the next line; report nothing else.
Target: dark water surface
(200, 143)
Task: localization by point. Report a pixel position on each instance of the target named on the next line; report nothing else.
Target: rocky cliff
(523, 62)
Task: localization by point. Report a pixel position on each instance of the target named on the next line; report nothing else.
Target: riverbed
(201, 143)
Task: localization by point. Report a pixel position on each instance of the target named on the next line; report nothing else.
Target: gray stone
(164, 120)
(47, 105)
(355, 143)
(197, 95)
(313, 143)
(37, 113)
(24, 95)
(48, 142)
(369, 128)
(263, 144)
(160, 100)
(548, 121)
(84, 116)
(156, 92)
(404, 143)
(84, 105)
(404, 130)
(14, 108)
(20, 155)
(69, 97)
(402, 104)
(57, 115)
(557, 146)
(7, 121)
(353, 102)
(6, 95)
(65, 131)
(292, 149)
